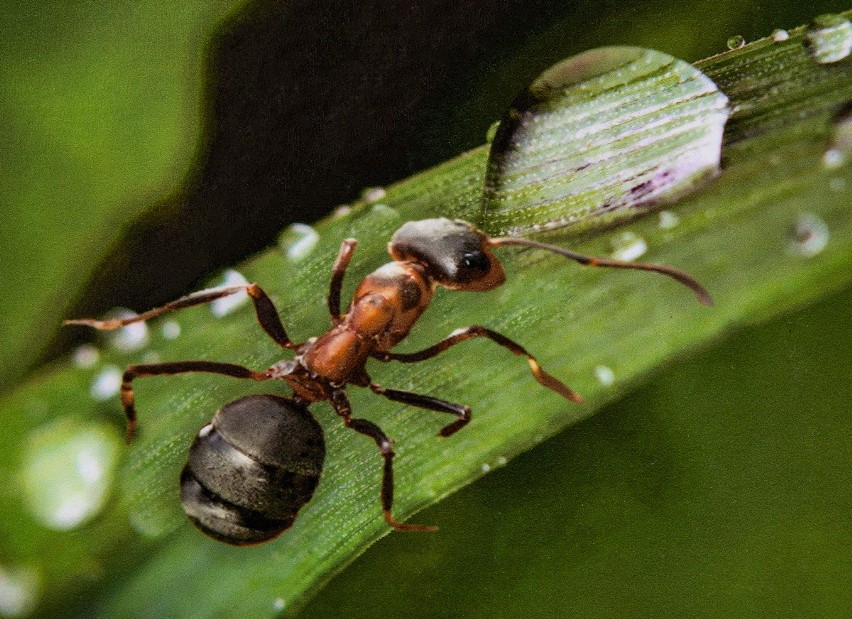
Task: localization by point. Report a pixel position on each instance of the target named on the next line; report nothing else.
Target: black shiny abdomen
(252, 468)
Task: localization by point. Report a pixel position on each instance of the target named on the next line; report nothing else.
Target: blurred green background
(146, 144)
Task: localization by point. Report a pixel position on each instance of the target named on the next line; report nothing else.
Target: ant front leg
(467, 333)
(170, 368)
(429, 403)
(265, 310)
(341, 406)
(347, 248)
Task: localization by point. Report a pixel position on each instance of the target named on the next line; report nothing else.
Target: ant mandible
(244, 500)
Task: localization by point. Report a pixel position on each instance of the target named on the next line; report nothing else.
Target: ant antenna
(684, 278)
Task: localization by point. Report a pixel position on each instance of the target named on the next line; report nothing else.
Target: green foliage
(745, 237)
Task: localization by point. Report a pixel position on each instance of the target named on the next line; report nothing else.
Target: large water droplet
(601, 137)
(298, 240)
(19, 591)
(736, 41)
(226, 305)
(829, 38)
(68, 470)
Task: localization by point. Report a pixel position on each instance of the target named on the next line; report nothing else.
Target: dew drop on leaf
(68, 470)
(828, 38)
(600, 137)
(226, 305)
(19, 590)
(297, 241)
(736, 41)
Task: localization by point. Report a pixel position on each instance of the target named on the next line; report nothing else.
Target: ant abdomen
(252, 468)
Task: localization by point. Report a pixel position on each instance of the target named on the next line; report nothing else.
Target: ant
(259, 460)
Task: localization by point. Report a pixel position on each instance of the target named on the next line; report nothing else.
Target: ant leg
(429, 403)
(341, 406)
(265, 310)
(467, 333)
(590, 261)
(347, 248)
(174, 367)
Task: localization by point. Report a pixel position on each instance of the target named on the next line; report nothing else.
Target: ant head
(454, 253)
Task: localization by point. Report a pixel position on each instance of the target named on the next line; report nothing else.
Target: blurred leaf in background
(101, 109)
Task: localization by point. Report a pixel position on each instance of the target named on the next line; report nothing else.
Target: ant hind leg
(341, 406)
(170, 368)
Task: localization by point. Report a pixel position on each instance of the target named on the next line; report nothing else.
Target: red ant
(244, 500)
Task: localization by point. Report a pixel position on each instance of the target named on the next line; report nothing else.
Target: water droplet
(226, 305)
(605, 375)
(492, 131)
(106, 383)
(833, 158)
(668, 220)
(736, 41)
(502, 460)
(837, 184)
(486, 467)
(779, 35)
(373, 194)
(809, 235)
(341, 211)
(628, 246)
(584, 145)
(170, 329)
(130, 338)
(86, 356)
(278, 604)
(19, 590)
(828, 38)
(840, 143)
(298, 240)
(68, 470)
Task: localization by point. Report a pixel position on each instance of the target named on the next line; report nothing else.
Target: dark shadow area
(309, 103)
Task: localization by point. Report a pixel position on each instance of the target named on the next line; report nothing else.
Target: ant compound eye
(475, 263)
(453, 252)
